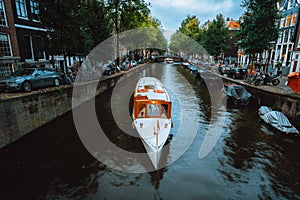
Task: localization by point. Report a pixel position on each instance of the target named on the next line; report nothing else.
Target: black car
(239, 73)
(224, 69)
(110, 69)
(27, 79)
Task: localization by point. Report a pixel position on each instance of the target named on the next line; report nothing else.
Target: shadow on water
(49, 162)
(257, 161)
(111, 129)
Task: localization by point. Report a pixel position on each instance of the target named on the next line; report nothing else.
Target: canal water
(245, 159)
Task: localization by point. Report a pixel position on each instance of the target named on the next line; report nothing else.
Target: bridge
(162, 58)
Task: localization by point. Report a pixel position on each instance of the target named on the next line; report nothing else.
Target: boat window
(164, 110)
(157, 110)
(153, 110)
(149, 87)
(141, 110)
(144, 110)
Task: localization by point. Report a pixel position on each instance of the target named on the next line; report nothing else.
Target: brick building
(30, 32)
(9, 49)
(21, 35)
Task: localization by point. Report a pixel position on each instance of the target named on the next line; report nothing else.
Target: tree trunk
(65, 62)
(117, 32)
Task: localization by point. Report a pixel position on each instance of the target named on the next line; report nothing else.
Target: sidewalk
(281, 89)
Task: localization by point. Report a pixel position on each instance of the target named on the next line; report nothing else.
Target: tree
(74, 26)
(258, 26)
(125, 15)
(215, 39)
(95, 22)
(148, 36)
(185, 40)
(190, 27)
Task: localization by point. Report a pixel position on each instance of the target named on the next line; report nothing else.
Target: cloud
(172, 12)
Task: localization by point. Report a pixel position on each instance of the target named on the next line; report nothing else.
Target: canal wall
(287, 103)
(21, 115)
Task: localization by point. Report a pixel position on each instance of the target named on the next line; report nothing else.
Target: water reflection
(254, 159)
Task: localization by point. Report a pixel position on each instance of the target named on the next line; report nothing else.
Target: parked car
(192, 68)
(126, 65)
(110, 69)
(133, 63)
(224, 69)
(27, 79)
(237, 73)
(141, 61)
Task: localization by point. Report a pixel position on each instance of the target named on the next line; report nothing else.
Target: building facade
(284, 50)
(232, 54)
(30, 32)
(9, 49)
(22, 36)
(296, 61)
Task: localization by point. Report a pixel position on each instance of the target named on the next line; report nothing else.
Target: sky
(172, 12)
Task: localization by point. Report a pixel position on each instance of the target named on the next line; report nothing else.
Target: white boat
(169, 60)
(152, 115)
(277, 120)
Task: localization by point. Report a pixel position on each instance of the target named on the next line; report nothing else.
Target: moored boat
(152, 115)
(169, 60)
(277, 120)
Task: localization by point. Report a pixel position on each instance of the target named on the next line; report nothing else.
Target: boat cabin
(145, 108)
(151, 100)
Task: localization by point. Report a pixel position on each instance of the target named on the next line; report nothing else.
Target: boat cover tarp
(277, 119)
(237, 95)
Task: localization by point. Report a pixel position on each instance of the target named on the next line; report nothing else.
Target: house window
(290, 35)
(21, 8)
(280, 37)
(286, 36)
(5, 48)
(3, 21)
(34, 9)
(288, 20)
(294, 19)
(282, 23)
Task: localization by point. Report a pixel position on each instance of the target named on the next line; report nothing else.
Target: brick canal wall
(21, 115)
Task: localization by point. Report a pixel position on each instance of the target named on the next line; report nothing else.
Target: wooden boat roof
(150, 88)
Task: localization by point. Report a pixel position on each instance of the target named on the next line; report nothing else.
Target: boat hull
(154, 133)
(152, 115)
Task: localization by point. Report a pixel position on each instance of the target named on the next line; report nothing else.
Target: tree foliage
(184, 40)
(74, 26)
(149, 35)
(258, 26)
(190, 27)
(215, 39)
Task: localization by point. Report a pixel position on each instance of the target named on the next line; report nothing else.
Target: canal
(248, 160)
